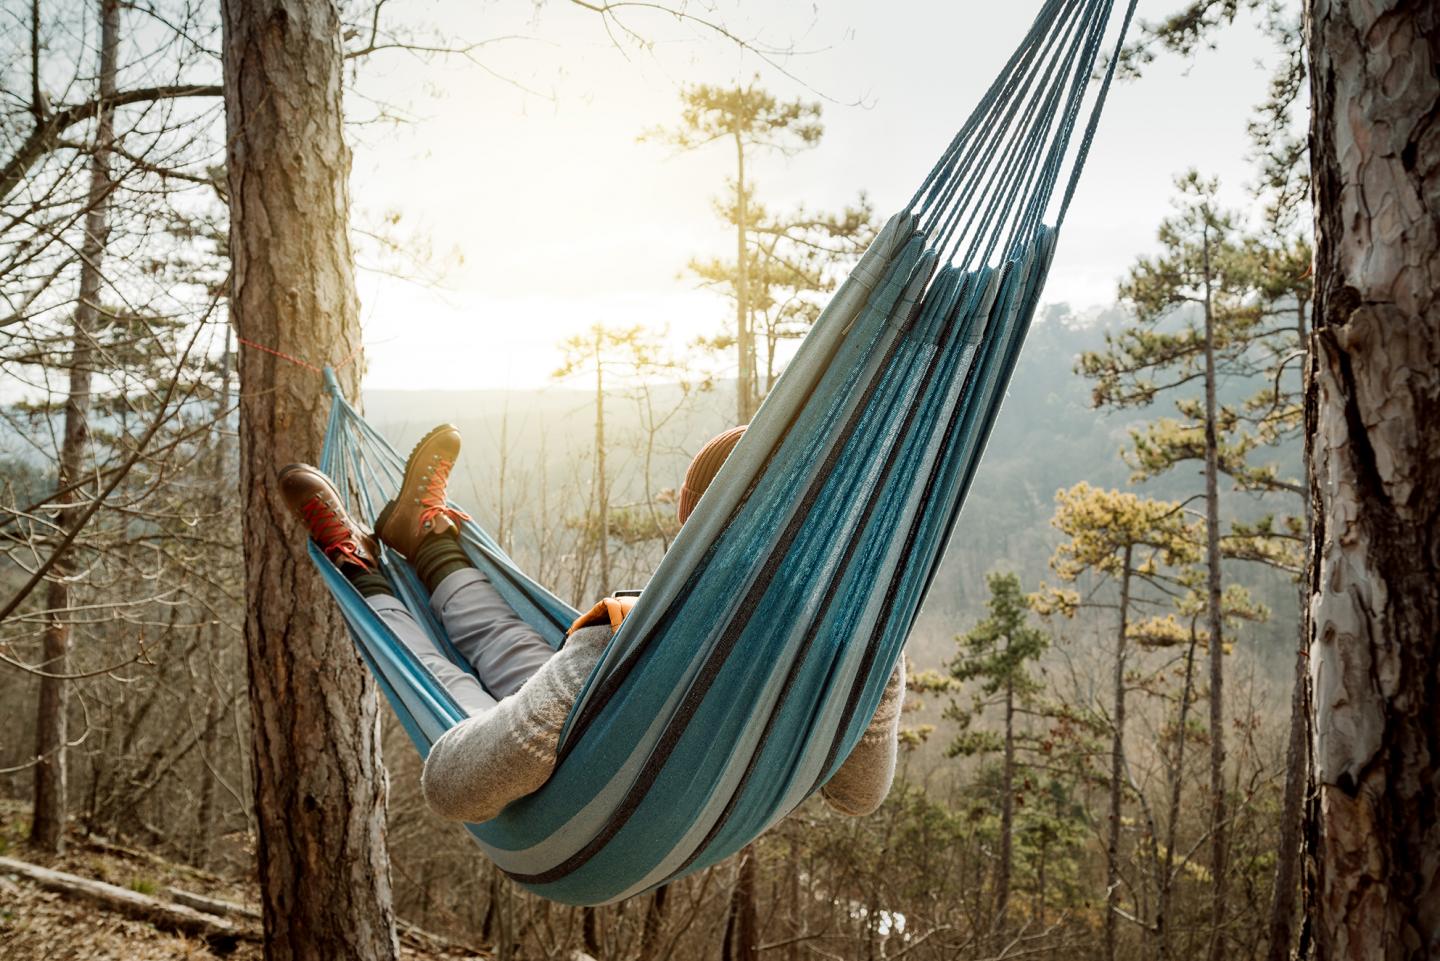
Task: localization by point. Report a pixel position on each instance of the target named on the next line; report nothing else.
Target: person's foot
(321, 509)
(420, 509)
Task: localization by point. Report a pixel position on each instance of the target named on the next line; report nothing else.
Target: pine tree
(997, 653)
(1196, 322)
(782, 262)
(796, 259)
(1130, 543)
(622, 362)
(1284, 257)
(320, 785)
(47, 829)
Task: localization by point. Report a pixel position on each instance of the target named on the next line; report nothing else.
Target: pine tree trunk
(1372, 417)
(1007, 816)
(1117, 770)
(1286, 888)
(654, 922)
(1164, 923)
(602, 484)
(1215, 623)
(792, 881)
(47, 826)
(590, 931)
(742, 934)
(1281, 924)
(220, 493)
(319, 784)
(744, 346)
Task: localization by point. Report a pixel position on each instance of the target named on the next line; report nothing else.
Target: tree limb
(43, 138)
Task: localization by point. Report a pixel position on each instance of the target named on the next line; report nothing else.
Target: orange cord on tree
(296, 360)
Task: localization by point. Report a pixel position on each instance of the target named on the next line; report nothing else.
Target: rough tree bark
(47, 826)
(1372, 410)
(320, 788)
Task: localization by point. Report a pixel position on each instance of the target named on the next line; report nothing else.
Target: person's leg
(319, 506)
(503, 649)
(462, 686)
(424, 529)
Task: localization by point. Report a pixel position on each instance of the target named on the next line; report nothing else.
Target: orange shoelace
(335, 537)
(432, 499)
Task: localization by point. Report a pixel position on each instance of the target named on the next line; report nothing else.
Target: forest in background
(1048, 438)
(1105, 747)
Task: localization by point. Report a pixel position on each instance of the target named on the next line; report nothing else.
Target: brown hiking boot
(420, 509)
(322, 510)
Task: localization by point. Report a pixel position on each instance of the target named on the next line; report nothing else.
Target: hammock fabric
(758, 652)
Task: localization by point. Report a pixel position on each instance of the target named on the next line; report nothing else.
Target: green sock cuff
(369, 583)
(437, 557)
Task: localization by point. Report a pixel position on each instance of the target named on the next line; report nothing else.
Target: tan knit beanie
(704, 467)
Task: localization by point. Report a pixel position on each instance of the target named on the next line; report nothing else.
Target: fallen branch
(409, 934)
(222, 935)
(115, 849)
(221, 909)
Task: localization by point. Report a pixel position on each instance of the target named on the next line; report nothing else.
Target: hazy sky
(563, 219)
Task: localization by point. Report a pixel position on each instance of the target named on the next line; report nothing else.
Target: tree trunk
(590, 932)
(1286, 888)
(654, 922)
(1007, 814)
(1117, 770)
(742, 931)
(1215, 624)
(222, 935)
(602, 484)
(1372, 418)
(792, 882)
(47, 827)
(220, 494)
(1281, 923)
(1164, 896)
(744, 347)
(319, 785)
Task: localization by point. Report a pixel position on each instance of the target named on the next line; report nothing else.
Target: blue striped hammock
(758, 652)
